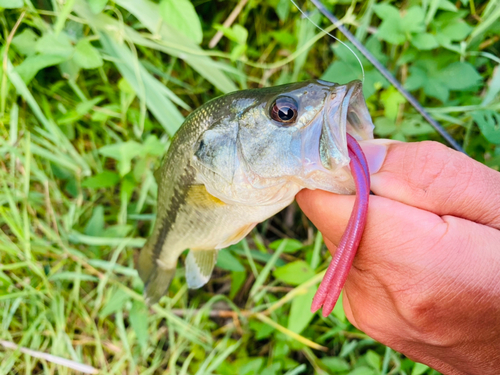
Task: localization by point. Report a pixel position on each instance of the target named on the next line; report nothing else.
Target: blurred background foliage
(91, 92)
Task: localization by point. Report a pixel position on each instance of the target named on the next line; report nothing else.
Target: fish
(241, 158)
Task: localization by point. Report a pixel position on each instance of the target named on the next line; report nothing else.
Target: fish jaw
(345, 112)
(325, 155)
(358, 120)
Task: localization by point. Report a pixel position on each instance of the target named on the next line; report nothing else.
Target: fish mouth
(345, 112)
(357, 118)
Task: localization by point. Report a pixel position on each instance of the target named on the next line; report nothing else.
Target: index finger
(435, 178)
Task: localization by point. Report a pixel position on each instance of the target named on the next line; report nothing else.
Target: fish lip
(344, 112)
(358, 120)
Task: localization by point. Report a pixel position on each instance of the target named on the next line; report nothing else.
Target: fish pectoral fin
(237, 236)
(198, 196)
(199, 267)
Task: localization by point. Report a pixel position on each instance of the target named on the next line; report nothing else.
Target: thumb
(433, 177)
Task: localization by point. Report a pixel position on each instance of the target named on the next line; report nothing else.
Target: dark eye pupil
(285, 113)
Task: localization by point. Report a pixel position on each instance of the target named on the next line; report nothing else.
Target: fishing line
(387, 75)
(334, 37)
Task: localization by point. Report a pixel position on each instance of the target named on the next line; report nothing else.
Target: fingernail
(375, 151)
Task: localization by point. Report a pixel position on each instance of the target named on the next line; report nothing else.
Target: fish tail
(156, 279)
(157, 285)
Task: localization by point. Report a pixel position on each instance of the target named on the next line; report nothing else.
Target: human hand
(426, 279)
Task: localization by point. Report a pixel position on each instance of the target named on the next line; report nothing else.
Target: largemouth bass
(241, 158)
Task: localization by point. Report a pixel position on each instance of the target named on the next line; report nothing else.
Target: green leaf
(338, 310)
(86, 56)
(341, 72)
(437, 89)
(416, 127)
(236, 33)
(182, 15)
(291, 245)
(386, 11)
(240, 34)
(373, 359)
(69, 69)
(249, 365)
(424, 41)
(489, 124)
(447, 5)
(117, 231)
(228, 262)
(95, 226)
(284, 37)
(391, 29)
(139, 321)
(97, 6)
(153, 146)
(122, 152)
(262, 330)
(363, 371)
(105, 179)
(348, 68)
(300, 311)
(335, 364)
(294, 273)
(11, 4)
(392, 32)
(419, 369)
(238, 51)
(413, 21)
(79, 111)
(417, 78)
(25, 42)
(58, 45)
(282, 9)
(457, 31)
(384, 126)
(460, 76)
(391, 99)
(115, 303)
(237, 281)
(34, 63)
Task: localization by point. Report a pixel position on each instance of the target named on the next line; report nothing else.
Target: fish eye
(284, 110)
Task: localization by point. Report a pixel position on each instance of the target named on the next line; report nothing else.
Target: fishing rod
(383, 70)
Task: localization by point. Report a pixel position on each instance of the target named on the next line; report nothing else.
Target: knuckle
(429, 165)
(424, 316)
(438, 170)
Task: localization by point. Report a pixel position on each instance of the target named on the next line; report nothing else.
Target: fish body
(241, 158)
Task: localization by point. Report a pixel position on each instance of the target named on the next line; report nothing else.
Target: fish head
(270, 143)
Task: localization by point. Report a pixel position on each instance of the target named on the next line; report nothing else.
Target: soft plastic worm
(336, 274)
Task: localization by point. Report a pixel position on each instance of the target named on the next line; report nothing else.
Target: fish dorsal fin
(199, 267)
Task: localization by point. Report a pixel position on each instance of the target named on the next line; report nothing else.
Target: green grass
(91, 91)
